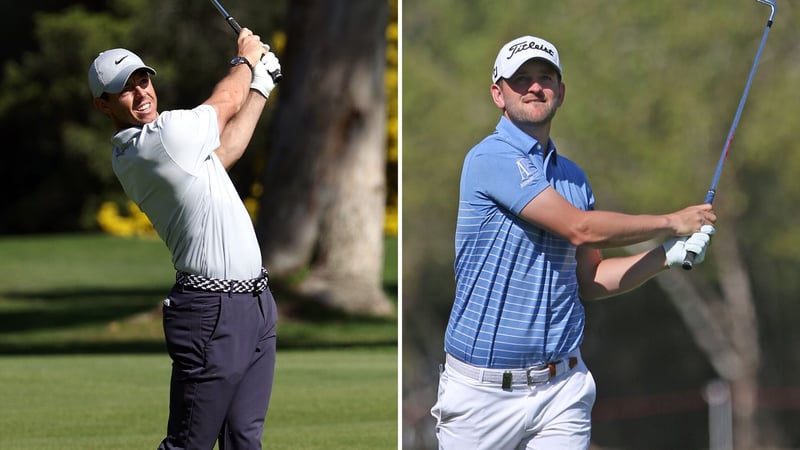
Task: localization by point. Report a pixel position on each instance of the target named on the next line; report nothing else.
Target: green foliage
(46, 113)
(43, 81)
(652, 89)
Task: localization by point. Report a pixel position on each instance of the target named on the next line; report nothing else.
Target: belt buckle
(533, 375)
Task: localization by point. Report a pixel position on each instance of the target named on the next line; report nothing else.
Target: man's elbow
(580, 234)
(227, 103)
(227, 159)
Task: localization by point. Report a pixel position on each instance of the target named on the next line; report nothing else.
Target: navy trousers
(223, 362)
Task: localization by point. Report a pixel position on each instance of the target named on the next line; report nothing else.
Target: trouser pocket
(191, 319)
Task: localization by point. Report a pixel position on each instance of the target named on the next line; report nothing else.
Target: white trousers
(552, 415)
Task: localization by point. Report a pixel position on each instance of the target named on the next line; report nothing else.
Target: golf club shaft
(688, 261)
(277, 75)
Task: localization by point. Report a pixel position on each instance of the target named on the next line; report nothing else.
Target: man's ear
(102, 106)
(497, 95)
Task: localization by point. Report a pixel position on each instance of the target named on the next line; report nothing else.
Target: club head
(773, 5)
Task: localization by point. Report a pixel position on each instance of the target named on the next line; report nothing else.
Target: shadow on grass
(296, 306)
(72, 308)
(49, 313)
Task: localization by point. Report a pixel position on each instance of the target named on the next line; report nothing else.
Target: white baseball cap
(111, 69)
(517, 52)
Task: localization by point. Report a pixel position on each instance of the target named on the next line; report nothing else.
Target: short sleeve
(190, 136)
(506, 178)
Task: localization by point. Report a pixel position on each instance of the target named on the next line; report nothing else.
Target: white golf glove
(262, 80)
(676, 248)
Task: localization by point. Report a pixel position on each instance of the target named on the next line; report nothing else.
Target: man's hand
(262, 78)
(698, 243)
(689, 219)
(250, 46)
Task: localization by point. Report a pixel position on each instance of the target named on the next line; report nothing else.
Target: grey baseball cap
(515, 53)
(111, 69)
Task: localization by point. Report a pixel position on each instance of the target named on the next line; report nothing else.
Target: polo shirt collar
(122, 137)
(526, 142)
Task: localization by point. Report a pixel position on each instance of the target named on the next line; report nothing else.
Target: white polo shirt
(168, 167)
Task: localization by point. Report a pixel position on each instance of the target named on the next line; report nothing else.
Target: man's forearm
(604, 278)
(239, 130)
(608, 229)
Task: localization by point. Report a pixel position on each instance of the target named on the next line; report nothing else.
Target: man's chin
(143, 119)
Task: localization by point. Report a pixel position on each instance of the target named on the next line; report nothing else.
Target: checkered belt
(507, 377)
(255, 285)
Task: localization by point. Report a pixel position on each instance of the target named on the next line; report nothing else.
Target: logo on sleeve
(525, 174)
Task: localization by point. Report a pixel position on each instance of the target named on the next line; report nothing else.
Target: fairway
(102, 294)
(323, 399)
(83, 363)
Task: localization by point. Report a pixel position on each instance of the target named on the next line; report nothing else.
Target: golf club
(277, 75)
(688, 261)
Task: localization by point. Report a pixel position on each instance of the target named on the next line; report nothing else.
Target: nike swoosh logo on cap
(120, 60)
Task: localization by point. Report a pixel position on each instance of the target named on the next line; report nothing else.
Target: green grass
(85, 365)
(96, 293)
(322, 399)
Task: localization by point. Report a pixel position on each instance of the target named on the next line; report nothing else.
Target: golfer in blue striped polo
(528, 240)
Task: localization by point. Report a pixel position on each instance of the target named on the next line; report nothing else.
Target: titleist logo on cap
(528, 45)
(516, 52)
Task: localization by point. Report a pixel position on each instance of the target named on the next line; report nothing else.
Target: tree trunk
(743, 330)
(324, 184)
(725, 328)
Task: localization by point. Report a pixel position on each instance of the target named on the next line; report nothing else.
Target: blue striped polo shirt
(516, 303)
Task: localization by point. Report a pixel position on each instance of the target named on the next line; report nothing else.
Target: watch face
(239, 60)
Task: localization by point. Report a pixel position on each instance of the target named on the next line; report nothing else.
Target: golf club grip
(234, 24)
(277, 76)
(688, 260)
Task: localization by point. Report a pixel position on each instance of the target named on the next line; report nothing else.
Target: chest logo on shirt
(525, 174)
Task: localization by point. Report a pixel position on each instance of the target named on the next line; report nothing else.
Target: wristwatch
(241, 60)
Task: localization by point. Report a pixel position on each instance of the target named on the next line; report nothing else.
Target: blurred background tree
(651, 92)
(325, 179)
(60, 177)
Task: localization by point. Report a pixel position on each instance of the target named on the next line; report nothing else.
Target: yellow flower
(133, 223)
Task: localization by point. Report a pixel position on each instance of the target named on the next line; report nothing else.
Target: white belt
(507, 377)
